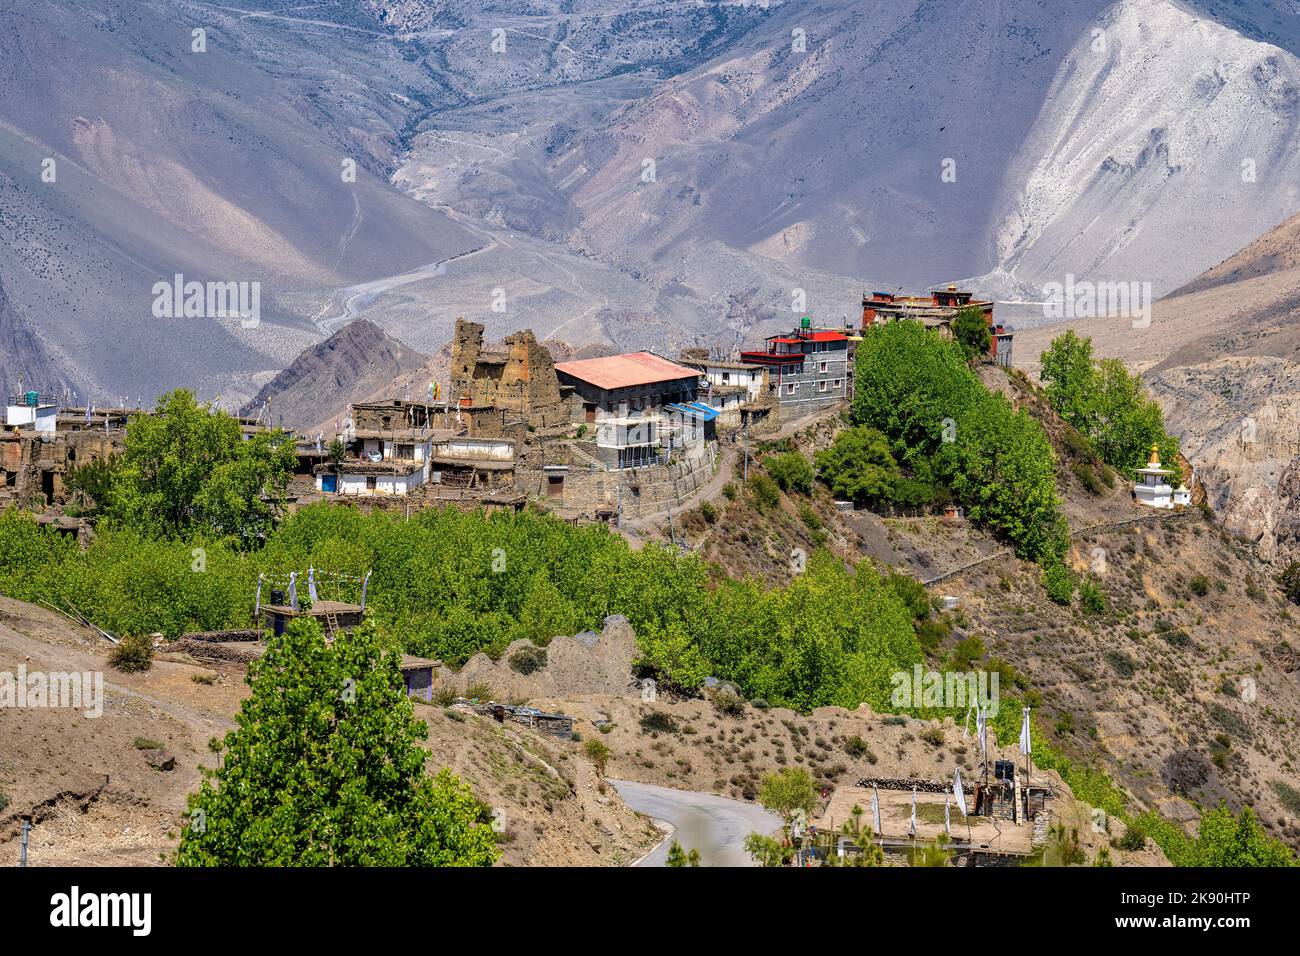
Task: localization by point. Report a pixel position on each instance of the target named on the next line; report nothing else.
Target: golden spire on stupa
(1154, 462)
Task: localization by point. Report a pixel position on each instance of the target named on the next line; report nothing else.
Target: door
(329, 483)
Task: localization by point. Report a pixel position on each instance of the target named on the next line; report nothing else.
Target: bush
(144, 743)
(859, 466)
(1290, 582)
(1091, 598)
(764, 493)
(598, 754)
(658, 722)
(1199, 585)
(933, 735)
(133, 655)
(729, 491)
(1124, 665)
(791, 472)
(809, 517)
(527, 660)
(1132, 840)
(479, 691)
(1058, 581)
(708, 512)
(729, 703)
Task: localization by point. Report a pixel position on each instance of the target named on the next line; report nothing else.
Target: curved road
(716, 826)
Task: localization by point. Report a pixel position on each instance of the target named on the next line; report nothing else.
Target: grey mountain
(631, 175)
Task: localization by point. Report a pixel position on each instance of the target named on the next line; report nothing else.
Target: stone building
(807, 369)
(937, 311)
(521, 379)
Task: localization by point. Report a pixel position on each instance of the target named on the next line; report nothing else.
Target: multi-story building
(641, 407)
(807, 369)
(937, 310)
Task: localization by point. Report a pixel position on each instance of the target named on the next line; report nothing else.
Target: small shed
(417, 675)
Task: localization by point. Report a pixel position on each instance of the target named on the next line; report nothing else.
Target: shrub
(791, 471)
(1058, 581)
(809, 517)
(133, 654)
(729, 703)
(855, 746)
(932, 735)
(479, 691)
(144, 743)
(1199, 585)
(1124, 665)
(1132, 840)
(764, 493)
(1091, 598)
(658, 722)
(729, 491)
(598, 754)
(527, 660)
(708, 512)
(1290, 581)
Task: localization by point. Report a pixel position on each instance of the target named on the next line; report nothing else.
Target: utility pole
(27, 827)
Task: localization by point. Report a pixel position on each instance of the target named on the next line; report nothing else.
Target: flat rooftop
(626, 371)
(986, 833)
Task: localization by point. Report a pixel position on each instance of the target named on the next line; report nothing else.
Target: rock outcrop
(587, 663)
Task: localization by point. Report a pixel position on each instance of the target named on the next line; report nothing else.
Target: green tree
(1225, 840)
(767, 851)
(859, 466)
(1067, 368)
(861, 836)
(186, 467)
(91, 483)
(1108, 405)
(791, 471)
(325, 768)
(971, 331)
(788, 791)
(679, 857)
(598, 754)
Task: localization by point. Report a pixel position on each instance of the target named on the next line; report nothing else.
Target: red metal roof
(625, 371)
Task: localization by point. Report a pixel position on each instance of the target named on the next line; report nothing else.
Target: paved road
(716, 826)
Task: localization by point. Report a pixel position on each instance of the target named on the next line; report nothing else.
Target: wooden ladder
(332, 624)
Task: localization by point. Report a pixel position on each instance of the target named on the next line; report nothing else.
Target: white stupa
(1153, 489)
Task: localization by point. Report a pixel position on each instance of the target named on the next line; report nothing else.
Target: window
(790, 388)
(839, 382)
(826, 367)
(821, 386)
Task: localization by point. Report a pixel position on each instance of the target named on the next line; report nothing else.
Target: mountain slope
(347, 367)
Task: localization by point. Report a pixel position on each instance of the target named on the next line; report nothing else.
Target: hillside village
(1134, 677)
